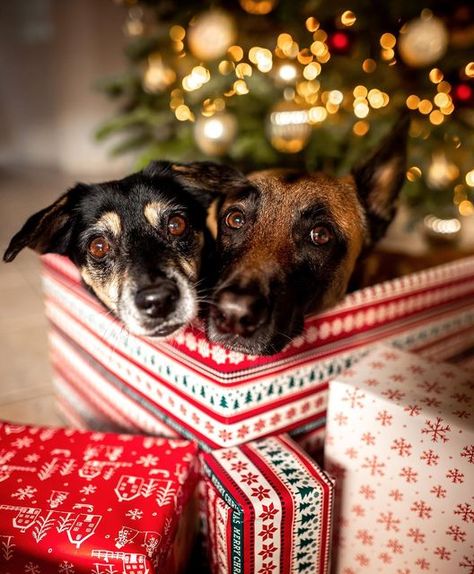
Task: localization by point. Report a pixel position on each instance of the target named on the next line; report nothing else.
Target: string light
(369, 65)
(436, 75)
(236, 53)
(312, 71)
(388, 41)
(413, 102)
(287, 72)
(317, 114)
(469, 70)
(262, 58)
(466, 208)
(312, 24)
(348, 18)
(360, 128)
(413, 173)
(470, 178)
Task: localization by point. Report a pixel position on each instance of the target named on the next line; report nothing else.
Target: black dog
(288, 244)
(140, 243)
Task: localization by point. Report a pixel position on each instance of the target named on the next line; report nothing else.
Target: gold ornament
(258, 7)
(423, 41)
(441, 172)
(210, 34)
(157, 75)
(288, 127)
(215, 135)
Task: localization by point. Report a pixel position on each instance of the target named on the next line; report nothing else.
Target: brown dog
(288, 244)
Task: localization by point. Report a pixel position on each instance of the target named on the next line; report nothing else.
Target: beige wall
(51, 54)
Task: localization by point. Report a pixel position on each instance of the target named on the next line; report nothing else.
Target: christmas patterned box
(400, 442)
(222, 398)
(75, 502)
(269, 509)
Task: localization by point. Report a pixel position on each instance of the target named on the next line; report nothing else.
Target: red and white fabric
(400, 443)
(222, 398)
(269, 509)
(75, 502)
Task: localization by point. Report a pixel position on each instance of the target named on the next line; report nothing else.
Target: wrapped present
(75, 502)
(222, 398)
(269, 509)
(400, 442)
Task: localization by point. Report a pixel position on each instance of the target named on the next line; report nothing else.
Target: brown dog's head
(288, 243)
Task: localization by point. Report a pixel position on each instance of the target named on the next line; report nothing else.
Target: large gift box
(269, 509)
(221, 398)
(75, 502)
(400, 442)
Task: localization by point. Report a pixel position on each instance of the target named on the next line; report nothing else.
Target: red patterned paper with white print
(400, 442)
(74, 502)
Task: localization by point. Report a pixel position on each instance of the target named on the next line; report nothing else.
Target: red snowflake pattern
(385, 557)
(243, 431)
(229, 455)
(456, 533)
(384, 417)
(393, 394)
(261, 492)
(367, 492)
(354, 398)
(374, 465)
(268, 530)
(468, 564)
(351, 453)
(431, 402)
(225, 435)
(276, 418)
(368, 438)
(396, 494)
(422, 509)
(395, 546)
(468, 453)
(267, 568)
(341, 419)
(439, 491)
(365, 537)
(409, 474)
(239, 466)
(465, 511)
(389, 521)
(442, 553)
(413, 410)
(362, 559)
(455, 476)
(430, 457)
(416, 534)
(358, 510)
(259, 425)
(249, 478)
(267, 550)
(269, 512)
(402, 447)
(423, 564)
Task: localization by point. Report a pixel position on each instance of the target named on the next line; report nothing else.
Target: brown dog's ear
(380, 178)
(205, 180)
(48, 230)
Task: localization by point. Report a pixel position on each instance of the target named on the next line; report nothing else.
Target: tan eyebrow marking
(153, 211)
(111, 222)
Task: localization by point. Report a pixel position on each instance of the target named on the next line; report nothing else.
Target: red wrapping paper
(75, 502)
(269, 509)
(190, 386)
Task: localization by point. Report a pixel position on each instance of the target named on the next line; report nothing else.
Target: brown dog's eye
(321, 235)
(235, 219)
(99, 247)
(177, 225)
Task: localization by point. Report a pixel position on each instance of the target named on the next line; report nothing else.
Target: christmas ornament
(288, 127)
(210, 34)
(215, 135)
(340, 42)
(423, 41)
(441, 171)
(258, 7)
(157, 76)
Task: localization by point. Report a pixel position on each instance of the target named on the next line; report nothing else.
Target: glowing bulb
(214, 128)
(470, 178)
(348, 18)
(287, 72)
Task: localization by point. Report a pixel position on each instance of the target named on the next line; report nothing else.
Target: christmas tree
(307, 84)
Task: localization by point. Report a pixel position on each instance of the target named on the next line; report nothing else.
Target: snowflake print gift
(75, 502)
(269, 509)
(400, 442)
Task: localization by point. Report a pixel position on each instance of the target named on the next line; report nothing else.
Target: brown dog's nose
(157, 301)
(239, 313)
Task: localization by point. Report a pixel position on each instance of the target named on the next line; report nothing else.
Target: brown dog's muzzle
(239, 311)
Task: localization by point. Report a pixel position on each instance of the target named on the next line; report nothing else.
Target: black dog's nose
(157, 301)
(239, 313)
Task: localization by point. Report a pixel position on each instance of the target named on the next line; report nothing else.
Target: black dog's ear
(48, 230)
(205, 180)
(380, 178)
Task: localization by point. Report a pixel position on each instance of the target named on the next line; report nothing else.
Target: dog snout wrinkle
(240, 313)
(157, 301)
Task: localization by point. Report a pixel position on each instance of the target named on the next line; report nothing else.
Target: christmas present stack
(74, 502)
(400, 442)
(197, 389)
(269, 509)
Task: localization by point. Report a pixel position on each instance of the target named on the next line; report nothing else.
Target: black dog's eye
(177, 225)
(321, 235)
(235, 219)
(99, 247)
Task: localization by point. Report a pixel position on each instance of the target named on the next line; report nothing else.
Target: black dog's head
(138, 242)
(288, 244)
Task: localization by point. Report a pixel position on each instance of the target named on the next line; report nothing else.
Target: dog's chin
(260, 344)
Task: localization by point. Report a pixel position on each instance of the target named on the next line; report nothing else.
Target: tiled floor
(26, 393)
